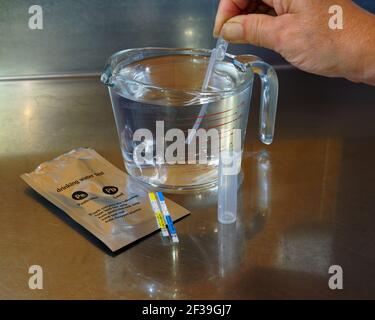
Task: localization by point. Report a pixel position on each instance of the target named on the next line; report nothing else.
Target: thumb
(256, 29)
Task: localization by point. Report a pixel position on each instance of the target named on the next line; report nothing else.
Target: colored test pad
(158, 214)
(167, 217)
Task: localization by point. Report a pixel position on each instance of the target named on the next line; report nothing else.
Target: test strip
(158, 214)
(217, 55)
(167, 217)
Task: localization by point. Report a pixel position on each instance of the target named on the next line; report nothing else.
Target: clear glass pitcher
(157, 99)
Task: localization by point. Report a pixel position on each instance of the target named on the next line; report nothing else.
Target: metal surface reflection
(230, 248)
(306, 204)
(161, 270)
(263, 182)
(307, 252)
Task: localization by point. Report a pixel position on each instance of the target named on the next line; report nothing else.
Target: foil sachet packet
(98, 196)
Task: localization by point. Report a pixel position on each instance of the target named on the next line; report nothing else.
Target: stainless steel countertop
(307, 202)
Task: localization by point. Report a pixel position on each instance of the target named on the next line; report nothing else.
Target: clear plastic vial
(229, 168)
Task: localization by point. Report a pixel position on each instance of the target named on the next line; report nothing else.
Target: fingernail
(233, 31)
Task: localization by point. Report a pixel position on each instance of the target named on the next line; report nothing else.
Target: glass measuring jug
(157, 98)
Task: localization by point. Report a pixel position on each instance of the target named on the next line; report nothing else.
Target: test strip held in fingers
(158, 214)
(167, 217)
(217, 55)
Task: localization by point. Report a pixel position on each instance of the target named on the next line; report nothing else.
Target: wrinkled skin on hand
(299, 31)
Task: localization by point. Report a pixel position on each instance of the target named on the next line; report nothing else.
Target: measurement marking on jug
(224, 124)
(223, 118)
(242, 104)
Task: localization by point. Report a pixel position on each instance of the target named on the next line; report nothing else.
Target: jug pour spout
(106, 76)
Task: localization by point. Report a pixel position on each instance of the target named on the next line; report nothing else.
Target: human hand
(300, 33)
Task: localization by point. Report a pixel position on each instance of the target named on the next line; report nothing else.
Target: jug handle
(269, 95)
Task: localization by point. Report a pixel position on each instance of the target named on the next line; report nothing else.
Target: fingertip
(217, 29)
(257, 29)
(233, 31)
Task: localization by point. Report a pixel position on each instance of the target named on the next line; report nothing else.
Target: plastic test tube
(158, 214)
(229, 165)
(167, 217)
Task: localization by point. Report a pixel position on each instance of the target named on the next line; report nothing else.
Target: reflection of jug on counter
(263, 182)
(260, 199)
